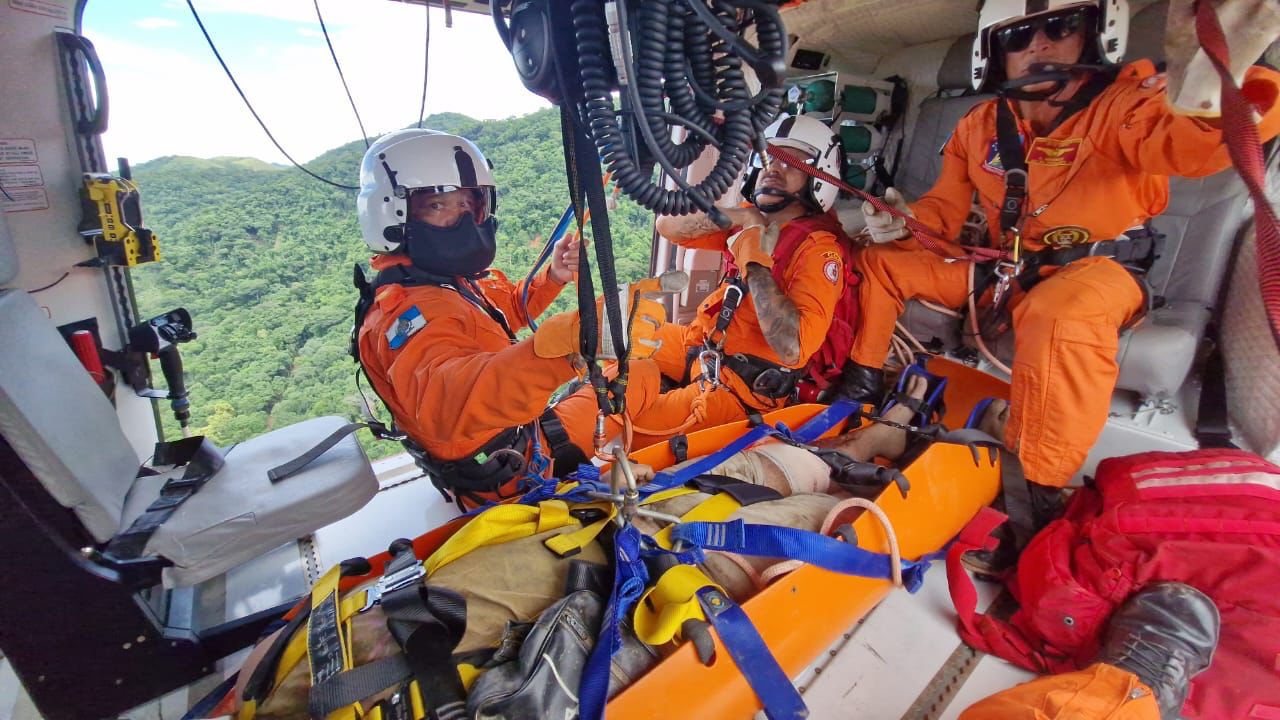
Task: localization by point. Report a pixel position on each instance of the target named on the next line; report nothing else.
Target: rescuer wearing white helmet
(753, 337)
(436, 328)
(1068, 164)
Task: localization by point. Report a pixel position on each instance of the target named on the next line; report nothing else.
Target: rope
(1245, 147)
(929, 238)
(977, 334)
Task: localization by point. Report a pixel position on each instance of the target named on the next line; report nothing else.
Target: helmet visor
(443, 206)
(1058, 26)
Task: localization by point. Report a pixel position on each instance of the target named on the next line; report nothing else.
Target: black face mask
(464, 250)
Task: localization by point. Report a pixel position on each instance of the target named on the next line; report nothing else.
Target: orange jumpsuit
(1099, 692)
(459, 380)
(1102, 171)
(813, 280)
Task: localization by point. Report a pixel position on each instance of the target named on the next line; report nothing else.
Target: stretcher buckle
(390, 583)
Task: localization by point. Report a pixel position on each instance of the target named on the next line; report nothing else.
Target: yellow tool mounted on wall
(112, 221)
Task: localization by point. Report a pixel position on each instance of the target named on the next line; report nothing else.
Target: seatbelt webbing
(281, 472)
(202, 461)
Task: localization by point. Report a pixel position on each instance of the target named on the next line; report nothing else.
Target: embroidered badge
(409, 322)
(994, 164)
(1065, 236)
(1054, 153)
(831, 271)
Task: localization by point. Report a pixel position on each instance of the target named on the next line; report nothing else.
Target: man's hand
(754, 244)
(564, 259)
(679, 228)
(884, 226)
(1250, 26)
(642, 310)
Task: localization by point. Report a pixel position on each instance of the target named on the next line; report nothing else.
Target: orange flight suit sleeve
(809, 284)
(946, 206)
(507, 296)
(1152, 138)
(457, 390)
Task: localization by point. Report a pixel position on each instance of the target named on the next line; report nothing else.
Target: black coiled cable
(697, 69)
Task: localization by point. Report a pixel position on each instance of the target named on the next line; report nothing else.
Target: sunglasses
(1057, 27)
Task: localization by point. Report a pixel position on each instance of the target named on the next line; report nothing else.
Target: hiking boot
(1164, 634)
(861, 384)
(1047, 503)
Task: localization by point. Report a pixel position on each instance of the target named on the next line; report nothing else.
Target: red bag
(1209, 518)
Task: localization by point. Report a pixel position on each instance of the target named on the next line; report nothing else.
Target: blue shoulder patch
(409, 322)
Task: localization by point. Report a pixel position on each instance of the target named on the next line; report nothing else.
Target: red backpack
(1208, 518)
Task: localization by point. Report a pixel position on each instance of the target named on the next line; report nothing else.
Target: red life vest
(1208, 518)
(825, 364)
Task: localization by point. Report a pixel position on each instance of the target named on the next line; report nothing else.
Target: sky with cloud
(168, 96)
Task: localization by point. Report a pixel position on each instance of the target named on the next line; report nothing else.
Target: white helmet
(407, 160)
(1112, 28)
(819, 144)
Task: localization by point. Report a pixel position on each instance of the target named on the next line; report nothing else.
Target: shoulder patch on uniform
(409, 322)
(831, 271)
(830, 255)
(1054, 153)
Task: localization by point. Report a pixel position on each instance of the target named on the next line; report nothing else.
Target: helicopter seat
(1201, 224)
(66, 432)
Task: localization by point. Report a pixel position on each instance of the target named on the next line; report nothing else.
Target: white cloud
(155, 23)
(168, 102)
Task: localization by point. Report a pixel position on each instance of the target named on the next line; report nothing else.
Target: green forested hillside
(262, 257)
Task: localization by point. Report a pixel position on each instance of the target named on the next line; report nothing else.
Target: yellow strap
(468, 673)
(325, 589)
(673, 598)
(248, 710)
(714, 509)
(499, 524)
(571, 543)
(669, 603)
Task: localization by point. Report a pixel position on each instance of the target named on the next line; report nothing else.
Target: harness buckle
(390, 583)
(710, 360)
(1005, 272)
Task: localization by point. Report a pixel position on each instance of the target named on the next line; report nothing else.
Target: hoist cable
(364, 135)
(249, 105)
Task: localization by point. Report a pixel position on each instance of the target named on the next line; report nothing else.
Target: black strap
(259, 683)
(281, 472)
(1013, 157)
(357, 684)
(427, 623)
(203, 461)
(1017, 499)
(766, 379)
(679, 447)
(744, 492)
(565, 455)
(1212, 429)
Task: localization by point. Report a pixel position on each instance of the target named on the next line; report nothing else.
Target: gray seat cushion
(58, 421)
(239, 514)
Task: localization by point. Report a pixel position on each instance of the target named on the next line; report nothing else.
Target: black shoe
(861, 384)
(1166, 635)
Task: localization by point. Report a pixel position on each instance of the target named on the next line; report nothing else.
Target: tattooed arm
(680, 229)
(779, 317)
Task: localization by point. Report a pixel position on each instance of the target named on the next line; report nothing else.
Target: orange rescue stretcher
(947, 490)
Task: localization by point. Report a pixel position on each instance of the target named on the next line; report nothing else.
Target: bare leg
(879, 440)
(995, 418)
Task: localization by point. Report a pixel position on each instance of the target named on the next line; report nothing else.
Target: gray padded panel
(922, 161)
(1156, 356)
(1146, 33)
(8, 253)
(58, 421)
(1200, 224)
(239, 513)
(957, 68)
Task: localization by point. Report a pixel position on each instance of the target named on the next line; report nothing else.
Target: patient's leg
(791, 470)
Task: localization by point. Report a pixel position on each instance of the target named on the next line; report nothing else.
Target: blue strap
(794, 544)
(812, 430)
(752, 656)
(629, 581)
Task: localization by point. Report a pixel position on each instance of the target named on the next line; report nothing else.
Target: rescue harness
(489, 472)
(765, 378)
